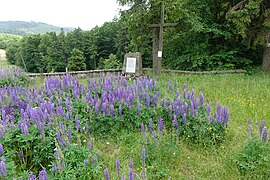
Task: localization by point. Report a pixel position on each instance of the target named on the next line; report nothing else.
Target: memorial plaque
(131, 65)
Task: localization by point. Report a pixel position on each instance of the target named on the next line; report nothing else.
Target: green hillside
(8, 39)
(24, 28)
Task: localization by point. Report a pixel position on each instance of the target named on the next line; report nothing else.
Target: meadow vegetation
(110, 127)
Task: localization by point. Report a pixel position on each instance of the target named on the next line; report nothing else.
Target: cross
(158, 43)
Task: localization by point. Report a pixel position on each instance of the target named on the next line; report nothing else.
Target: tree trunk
(155, 50)
(266, 54)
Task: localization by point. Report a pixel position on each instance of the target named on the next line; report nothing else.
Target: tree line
(213, 34)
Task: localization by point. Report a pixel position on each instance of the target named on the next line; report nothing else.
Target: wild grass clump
(254, 160)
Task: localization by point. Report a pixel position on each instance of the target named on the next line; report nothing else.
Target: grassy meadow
(247, 96)
(167, 157)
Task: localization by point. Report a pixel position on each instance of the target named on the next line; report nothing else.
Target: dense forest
(213, 34)
(25, 28)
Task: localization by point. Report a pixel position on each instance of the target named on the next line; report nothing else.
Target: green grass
(247, 96)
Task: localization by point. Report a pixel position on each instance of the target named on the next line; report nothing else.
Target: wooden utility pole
(158, 42)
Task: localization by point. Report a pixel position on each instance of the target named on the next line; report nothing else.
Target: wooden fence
(145, 70)
(82, 73)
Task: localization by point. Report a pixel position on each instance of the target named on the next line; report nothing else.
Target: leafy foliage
(111, 63)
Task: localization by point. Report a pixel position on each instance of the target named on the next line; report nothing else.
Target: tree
(252, 21)
(57, 53)
(29, 53)
(77, 61)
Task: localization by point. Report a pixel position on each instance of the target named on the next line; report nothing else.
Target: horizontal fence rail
(90, 72)
(145, 70)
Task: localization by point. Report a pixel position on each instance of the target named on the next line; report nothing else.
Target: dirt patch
(2, 53)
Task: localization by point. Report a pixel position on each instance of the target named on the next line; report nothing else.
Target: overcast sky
(85, 14)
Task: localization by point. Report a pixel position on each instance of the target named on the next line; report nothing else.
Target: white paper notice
(131, 65)
(159, 54)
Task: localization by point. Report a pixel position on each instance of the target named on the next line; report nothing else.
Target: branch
(238, 6)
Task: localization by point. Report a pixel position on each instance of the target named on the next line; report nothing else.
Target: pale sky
(85, 14)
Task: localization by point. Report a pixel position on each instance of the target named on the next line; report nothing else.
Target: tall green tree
(29, 53)
(76, 62)
(57, 53)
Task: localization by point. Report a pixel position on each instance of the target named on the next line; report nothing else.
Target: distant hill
(24, 28)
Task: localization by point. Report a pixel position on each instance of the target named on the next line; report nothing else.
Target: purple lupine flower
(171, 110)
(69, 134)
(63, 165)
(249, 128)
(106, 174)
(120, 110)
(54, 168)
(104, 107)
(21, 155)
(42, 175)
(184, 108)
(208, 108)
(184, 118)
(86, 127)
(177, 93)
(130, 174)
(131, 162)
(185, 93)
(175, 123)
(31, 176)
(2, 130)
(143, 154)
(97, 107)
(262, 127)
(160, 123)
(23, 126)
(85, 162)
(201, 98)
(192, 108)
(142, 128)
(90, 145)
(165, 103)
(3, 169)
(147, 101)
(118, 167)
(93, 160)
(177, 111)
(98, 156)
(77, 123)
(112, 110)
(123, 178)
(196, 105)
(169, 85)
(59, 138)
(151, 126)
(1, 149)
(226, 115)
(249, 131)
(218, 107)
(264, 135)
(139, 108)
